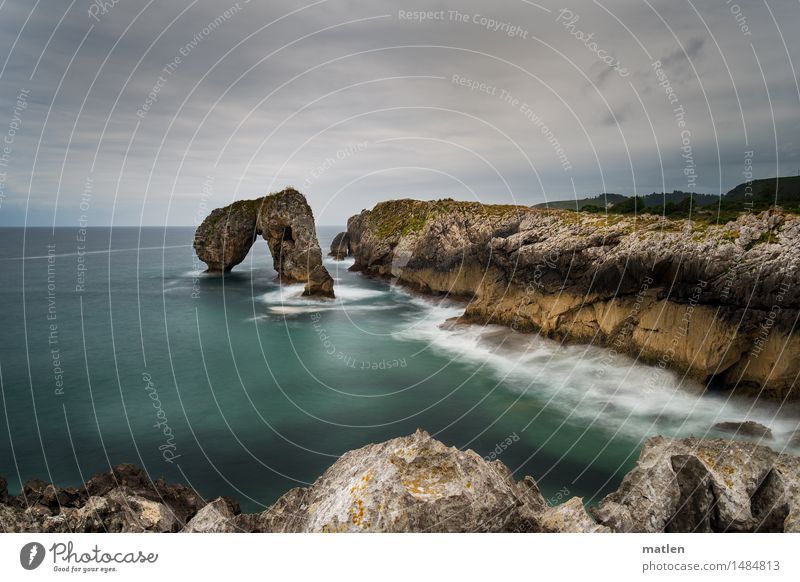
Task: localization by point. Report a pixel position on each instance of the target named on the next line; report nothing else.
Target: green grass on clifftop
(402, 217)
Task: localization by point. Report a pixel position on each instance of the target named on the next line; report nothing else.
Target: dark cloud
(260, 95)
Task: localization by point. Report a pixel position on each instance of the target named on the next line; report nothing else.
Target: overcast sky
(354, 102)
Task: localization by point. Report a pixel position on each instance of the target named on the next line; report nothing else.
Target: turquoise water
(116, 349)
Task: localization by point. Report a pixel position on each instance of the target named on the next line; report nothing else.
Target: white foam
(293, 295)
(591, 383)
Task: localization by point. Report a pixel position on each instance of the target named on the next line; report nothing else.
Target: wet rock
(746, 428)
(285, 221)
(340, 246)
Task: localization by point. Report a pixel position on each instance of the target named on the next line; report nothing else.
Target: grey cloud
(258, 123)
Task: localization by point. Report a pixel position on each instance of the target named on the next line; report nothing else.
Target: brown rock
(285, 221)
(340, 246)
(746, 428)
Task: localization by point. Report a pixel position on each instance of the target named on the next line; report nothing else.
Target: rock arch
(285, 221)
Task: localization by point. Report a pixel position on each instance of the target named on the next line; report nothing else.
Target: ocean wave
(593, 383)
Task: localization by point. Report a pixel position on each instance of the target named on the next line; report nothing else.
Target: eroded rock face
(340, 246)
(224, 238)
(416, 484)
(729, 293)
(706, 486)
(285, 221)
(123, 499)
(216, 517)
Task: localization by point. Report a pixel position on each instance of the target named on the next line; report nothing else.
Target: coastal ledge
(717, 302)
(417, 484)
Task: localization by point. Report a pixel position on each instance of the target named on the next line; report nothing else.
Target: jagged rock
(636, 284)
(706, 486)
(285, 221)
(216, 517)
(417, 484)
(119, 511)
(13, 519)
(224, 238)
(570, 517)
(340, 246)
(746, 428)
(181, 500)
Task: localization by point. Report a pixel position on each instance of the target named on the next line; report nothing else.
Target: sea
(117, 348)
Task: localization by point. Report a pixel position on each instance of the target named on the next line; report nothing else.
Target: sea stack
(285, 221)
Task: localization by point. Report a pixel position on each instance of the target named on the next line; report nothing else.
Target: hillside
(785, 191)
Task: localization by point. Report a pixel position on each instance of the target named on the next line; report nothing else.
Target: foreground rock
(417, 484)
(285, 221)
(122, 500)
(695, 485)
(717, 302)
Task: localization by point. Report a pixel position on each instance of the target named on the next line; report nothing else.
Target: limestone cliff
(718, 302)
(285, 221)
(417, 484)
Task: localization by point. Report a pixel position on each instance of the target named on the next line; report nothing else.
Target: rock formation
(122, 500)
(417, 484)
(747, 428)
(718, 302)
(340, 246)
(285, 221)
(695, 485)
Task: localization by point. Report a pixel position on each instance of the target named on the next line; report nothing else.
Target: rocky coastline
(418, 484)
(717, 302)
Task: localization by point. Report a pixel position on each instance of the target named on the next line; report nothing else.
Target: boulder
(695, 485)
(416, 484)
(216, 517)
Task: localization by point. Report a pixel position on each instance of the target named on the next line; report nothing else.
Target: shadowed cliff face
(719, 302)
(285, 221)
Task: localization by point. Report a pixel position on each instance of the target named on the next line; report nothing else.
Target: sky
(136, 112)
